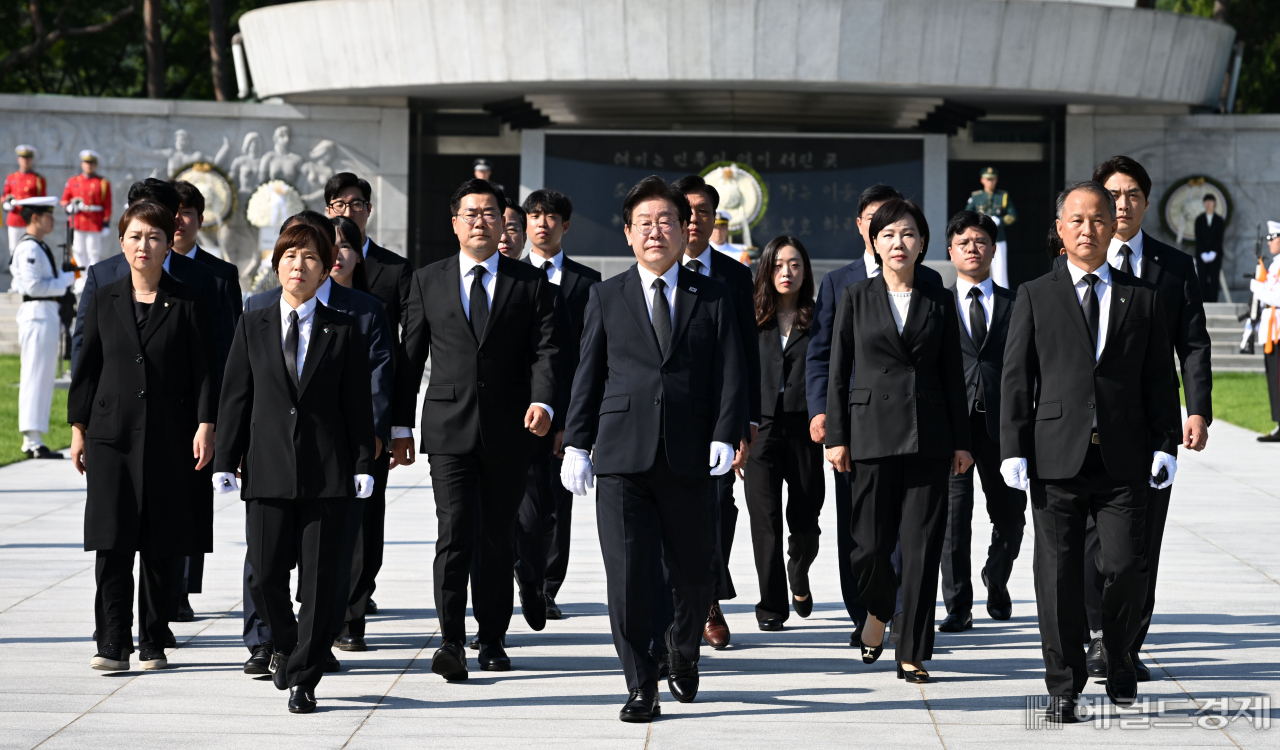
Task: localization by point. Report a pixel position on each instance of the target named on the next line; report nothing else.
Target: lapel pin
(1121, 300)
(166, 304)
(326, 328)
(693, 289)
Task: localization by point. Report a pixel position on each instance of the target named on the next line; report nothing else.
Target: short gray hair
(1089, 186)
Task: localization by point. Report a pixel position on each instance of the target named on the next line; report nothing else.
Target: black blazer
(742, 293)
(372, 323)
(296, 443)
(1208, 238)
(192, 273)
(1173, 272)
(572, 293)
(1052, 386)
(389, 275)
(141, 396)
(783, 368)
(479, 390)
(624, 391)
(983, 369)
(908, 392)
(227, 281)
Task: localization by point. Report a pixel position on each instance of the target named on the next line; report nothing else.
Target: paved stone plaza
(1216, 634)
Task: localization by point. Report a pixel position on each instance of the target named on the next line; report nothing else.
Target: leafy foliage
(1257, 24)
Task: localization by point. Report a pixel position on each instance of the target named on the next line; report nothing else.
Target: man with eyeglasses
(493, 379)
(660, 396)
(346, 194)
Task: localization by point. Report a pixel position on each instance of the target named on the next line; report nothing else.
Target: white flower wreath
(272, 203)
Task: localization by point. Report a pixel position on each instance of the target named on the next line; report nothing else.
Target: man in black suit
(1170, 270)
(189, 579)
(700, 258)
(546, 514)
(660, 380)
(1210, 229)
(488, 323)
(984, 308)
(817, 368)
(346, 194)
(1089, 420)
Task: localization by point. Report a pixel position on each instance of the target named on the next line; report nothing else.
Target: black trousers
(900, 498)
(561, 530)
(490, 484)
(1060, 509)
(1208, 274)
(1007, 509)
(536, 521)
(1095, 582)
(628, 507)
(1271, 362)
(113, 601)
(721, 491)
(366, 556)
(784, 453)
(845, 545)
(310, 535)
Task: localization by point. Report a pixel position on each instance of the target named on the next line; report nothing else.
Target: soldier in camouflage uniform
(996, 204)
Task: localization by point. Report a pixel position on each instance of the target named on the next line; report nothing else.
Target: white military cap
(1273, 227)
(26, 150)
(88, 155)
(723, 216)
(46, 201)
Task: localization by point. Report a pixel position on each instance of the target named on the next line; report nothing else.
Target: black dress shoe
(279, 662)
(956, 622)
(493, 657)
(351, 643)
(533, 605)
(1271, 437)
(260, 661)
(152, 658)
(170, 641)
(44, 452)
(664, 663)
(1142, 671)
(185, 612)
(1095, 659)
(473, 644)
(683, 678)
(302, 700)
(1062, 709)
(770, 625)
(915, 676)
(553, 609)
(869, 653)
(450, 661)
(1122, 681)
(999, 605)
(803, 608)
(371, 608)
(331, 663)
(642, 705)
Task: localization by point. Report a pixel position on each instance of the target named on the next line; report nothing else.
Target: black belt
(25, 298)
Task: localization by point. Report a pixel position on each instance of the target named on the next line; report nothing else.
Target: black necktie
(661, 316)
(1125, 264)
(694, 265)
(977, 318)
(548, 265)
(479, 302)
(291, 347)
(1090, 307)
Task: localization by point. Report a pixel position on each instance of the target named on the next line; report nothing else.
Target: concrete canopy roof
(1044, 52)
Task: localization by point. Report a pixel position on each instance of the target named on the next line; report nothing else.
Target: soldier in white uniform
(1266, 288)
(720, 238)
(37, 277)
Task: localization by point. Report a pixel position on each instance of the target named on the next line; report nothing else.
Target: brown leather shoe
(716, 631)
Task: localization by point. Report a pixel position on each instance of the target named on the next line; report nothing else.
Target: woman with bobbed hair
(142, 406)
(903, 424)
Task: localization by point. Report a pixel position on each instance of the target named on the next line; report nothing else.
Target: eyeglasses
(667, 226)
(357, 207)
(471, 217)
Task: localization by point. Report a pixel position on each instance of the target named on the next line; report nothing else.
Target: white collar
(1134, 243)
(167, 256)
(1103, 272)
(304, 310)
(364, 249)
(557, 260)
(322, 293)
(869, 260)
(704, 259)
(465, 263)
(647, 277)
(192, 254)
(986, 286)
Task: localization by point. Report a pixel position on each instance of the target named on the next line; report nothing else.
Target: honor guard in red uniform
(25, 183)
(87, 198)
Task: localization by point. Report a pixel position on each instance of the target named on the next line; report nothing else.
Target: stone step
(1237, 363)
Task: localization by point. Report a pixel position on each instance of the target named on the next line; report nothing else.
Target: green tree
(1257, 24)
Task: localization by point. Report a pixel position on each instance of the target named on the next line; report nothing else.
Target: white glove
(1161, 459)
(1209, 256)
(364, 486)
(7, 206)
(106, 231)
(575, 472)
(224, 482)
(721, 458)
(67, 278)
(1014, 471)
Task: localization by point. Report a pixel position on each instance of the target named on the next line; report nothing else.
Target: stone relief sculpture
(180, 155)
(280, 163)
(316, 172)
(238, 240)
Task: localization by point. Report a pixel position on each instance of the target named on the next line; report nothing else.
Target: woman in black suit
(783, 450)
(297, 423)
(902, 427)
(348, 267)
(144, 390)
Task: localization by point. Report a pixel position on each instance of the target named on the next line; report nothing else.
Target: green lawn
(1241, 399)
(59, 436)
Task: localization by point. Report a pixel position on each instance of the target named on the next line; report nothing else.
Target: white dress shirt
(869, 259)
(167, 256)
(1103, 290)
(306, 316)
(467, 272)
(1135, 244)
(647, 278)
(191, 255)
(364, 249)
(988, 301)
(557, 261)
(322, 293)
(704, 259)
